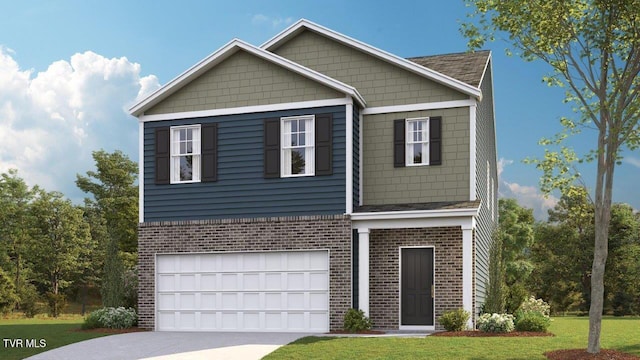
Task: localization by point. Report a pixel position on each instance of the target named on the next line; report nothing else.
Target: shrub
(355, 320)
(113, 318)
(454, 320)
(8, 296)
(56, 302)
(496, 323)
(535, 305)
(29, 299)
(532, 321)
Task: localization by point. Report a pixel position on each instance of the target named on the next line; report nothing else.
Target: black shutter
(271, 148)
(163, 175)
(399, 143)
(435, 140)
(209, 142)
(324, 144)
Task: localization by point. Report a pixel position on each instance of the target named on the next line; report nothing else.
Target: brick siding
(259, 234)
(384, 273)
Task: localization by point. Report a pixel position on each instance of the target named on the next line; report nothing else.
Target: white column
(363, 270)
(467, 272)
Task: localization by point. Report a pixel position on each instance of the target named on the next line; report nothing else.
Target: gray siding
(243, 80)
(379, 82)
(241, 190)
(385, 184)
(356, 156)
(487, 217)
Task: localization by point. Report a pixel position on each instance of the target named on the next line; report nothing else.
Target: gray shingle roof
(449, 205)
(466, 67)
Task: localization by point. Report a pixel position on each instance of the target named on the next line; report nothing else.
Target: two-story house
(283, 184)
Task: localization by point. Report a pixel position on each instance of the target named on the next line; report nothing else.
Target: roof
(467, 67)
(449, 205)
(426, 72)
(223, 53)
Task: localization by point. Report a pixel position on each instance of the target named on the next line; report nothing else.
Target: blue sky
(69, 70)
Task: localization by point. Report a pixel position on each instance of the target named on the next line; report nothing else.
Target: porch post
(363, 270)
(467, 273)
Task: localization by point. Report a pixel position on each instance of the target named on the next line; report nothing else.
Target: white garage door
(270, 291)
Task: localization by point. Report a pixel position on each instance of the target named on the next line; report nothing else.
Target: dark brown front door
(417, 286)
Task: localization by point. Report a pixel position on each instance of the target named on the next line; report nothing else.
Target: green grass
(56, 332)
(617, 333)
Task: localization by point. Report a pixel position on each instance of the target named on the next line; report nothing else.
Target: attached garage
(243, 291)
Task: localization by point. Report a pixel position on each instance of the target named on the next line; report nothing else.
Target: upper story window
(417, 140)
(298, 150)
(185, 154)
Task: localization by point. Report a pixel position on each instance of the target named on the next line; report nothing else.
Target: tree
(60, 240)
(494, 302)
(593, 47)
(115, 194)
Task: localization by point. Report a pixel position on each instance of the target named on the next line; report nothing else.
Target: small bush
(496, 323)
(535, 305)
(355, 320)
(113, 318)
(532, 321)
(56, 302)
(454, 320)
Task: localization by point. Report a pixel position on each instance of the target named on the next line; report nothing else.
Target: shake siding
(379, 82)
(241, 190)
(243, 80)
(485, 142)
(386, 184)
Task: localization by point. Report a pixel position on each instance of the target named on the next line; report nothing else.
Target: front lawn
(54, 332)
(622, 334)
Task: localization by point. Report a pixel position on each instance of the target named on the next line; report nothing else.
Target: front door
(416, 287)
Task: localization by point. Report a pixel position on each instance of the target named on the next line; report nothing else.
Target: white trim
(418, 107)
(467, 272)
(363, 270)
(223, 53)
(140, 171)
(349, 159)
(247, 109)
(194, 171)
(433, 273)
(413, 214)
(360, 157)
(408, 161)
(301, 24)
(464, 222)
(472, 152)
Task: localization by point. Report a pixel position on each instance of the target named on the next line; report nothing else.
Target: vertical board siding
(241, 190)
(485, 151)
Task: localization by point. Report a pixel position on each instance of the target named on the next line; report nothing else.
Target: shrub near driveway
(617, 333)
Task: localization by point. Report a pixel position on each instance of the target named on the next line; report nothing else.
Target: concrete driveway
(173, 345)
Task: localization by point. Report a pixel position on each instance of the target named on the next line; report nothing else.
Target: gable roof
(466, 67)
(223, 53)
(434, 75)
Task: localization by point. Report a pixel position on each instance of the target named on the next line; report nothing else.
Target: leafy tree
(593, 47)
(15, 220)
(113, 279)
(8, 296)
(494, 302)
(115, 194)
(60, 241)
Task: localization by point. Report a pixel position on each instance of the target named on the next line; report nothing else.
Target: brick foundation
(384, 271)
(261, 234)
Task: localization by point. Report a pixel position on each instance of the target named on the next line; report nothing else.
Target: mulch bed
(580, 354)
(110, 331)
(471, 333)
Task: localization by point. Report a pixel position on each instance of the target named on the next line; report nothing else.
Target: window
(185, 154)
(298, 151)
(417, 141)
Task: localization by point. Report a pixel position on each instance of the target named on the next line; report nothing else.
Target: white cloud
(633, 161)
(275, 22)
(502, 163)
(530, 197)
(51, 121)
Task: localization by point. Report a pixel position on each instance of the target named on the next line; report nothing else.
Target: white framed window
(417, 139)
(298, 150)
(185, 154)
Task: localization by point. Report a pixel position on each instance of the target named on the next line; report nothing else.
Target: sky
(70, 70)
